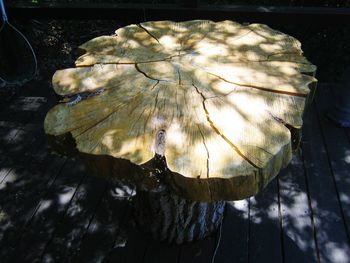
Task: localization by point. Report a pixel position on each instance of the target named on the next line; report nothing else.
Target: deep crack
(149, 33)
(145, 74)
(219, 133)
(258, 87)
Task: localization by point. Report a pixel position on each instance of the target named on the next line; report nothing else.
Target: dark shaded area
(17, 62)
(304, 3)
(51, 211)
(323, 3)
(324, 45)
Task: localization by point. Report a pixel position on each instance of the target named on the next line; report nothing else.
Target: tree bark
(170, 218)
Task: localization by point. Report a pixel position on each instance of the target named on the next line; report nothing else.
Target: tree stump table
(192, 113)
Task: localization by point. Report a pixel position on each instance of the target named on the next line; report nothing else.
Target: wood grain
(221, 101)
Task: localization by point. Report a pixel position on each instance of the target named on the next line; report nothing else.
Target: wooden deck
(51, 211)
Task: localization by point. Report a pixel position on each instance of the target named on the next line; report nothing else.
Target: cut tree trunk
(168, 217)
(221, 102)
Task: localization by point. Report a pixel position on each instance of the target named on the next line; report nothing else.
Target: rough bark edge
(170, 218)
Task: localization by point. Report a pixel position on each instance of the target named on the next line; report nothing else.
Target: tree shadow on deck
(50, 209)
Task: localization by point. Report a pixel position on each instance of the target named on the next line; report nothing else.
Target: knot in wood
(160, 142)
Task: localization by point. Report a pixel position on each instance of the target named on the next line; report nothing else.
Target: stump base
(173, 219)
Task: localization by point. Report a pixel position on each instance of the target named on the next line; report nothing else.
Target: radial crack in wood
(221, 101)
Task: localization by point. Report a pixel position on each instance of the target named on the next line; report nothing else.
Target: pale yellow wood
(218, 100)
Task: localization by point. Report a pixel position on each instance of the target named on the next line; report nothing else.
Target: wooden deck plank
(25, 109)
(99, 238)
(27, 103)
(50, 212)
(322, 156)
(235, 233)
(9, 144)
(68, 234)
(347, 131)
(338, 151)
(13, 186)
(26, 147)
(330, 232)
(297, 222)
(265, 244)
(20, 199)
(18, 143)
(159, 252)
(336, 93)
(19, 125)
(129, 244)
(6, 136)
(198, 252)
(134, 249)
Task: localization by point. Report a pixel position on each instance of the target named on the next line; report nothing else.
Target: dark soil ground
(55, 43)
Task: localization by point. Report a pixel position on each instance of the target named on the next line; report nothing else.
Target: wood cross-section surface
(223, 102)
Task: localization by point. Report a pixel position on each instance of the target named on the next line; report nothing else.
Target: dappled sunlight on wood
(230, 97)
